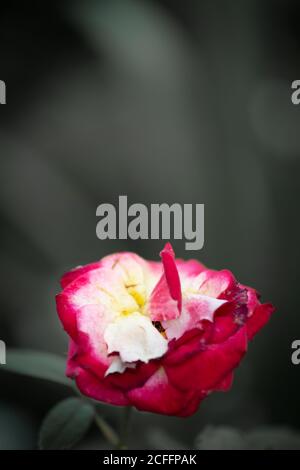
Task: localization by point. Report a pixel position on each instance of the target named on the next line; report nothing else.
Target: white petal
(119, 366)
(135, 338)
(195, 308)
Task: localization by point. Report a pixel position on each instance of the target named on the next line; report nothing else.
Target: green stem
(122, 444)
(107, 431)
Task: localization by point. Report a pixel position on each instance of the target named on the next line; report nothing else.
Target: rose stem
(107, 431)
(122, 444)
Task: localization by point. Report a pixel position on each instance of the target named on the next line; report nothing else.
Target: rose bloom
(156, 335)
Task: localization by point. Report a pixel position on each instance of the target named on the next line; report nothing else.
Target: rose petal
(190, 268)
(196, 308)
(132, 378)
(165, 301)
(118, 366)
(91, 347)
(139, 275)
(70, 276)
(171, 273)
(72, 365)
(207, 368)
(214, 283)
(135, 338)
(100, 390)
(159, 396)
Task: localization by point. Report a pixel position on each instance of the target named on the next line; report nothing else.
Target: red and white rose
(156, 335)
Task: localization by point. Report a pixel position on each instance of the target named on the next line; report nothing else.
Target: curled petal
(166, 301)
(196, 308)
(171, 273)
(215, 283)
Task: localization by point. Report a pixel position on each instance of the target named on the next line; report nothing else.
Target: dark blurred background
(165, 101)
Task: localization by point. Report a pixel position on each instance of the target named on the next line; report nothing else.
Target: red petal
(171, 273)
(99, 390)
(72, 366)
(133, 378)
(206, 369)
(70, 276)
(165, 302)
(67, 314)
(159, 396)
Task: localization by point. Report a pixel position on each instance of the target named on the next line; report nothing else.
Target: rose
(156, 335)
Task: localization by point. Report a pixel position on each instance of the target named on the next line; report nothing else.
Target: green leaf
(37, 364)
(66, 424)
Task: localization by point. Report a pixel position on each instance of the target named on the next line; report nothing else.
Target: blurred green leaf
(263, 438)
(37, 364)
(66, 424)
(220, 438)
(277, 438)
